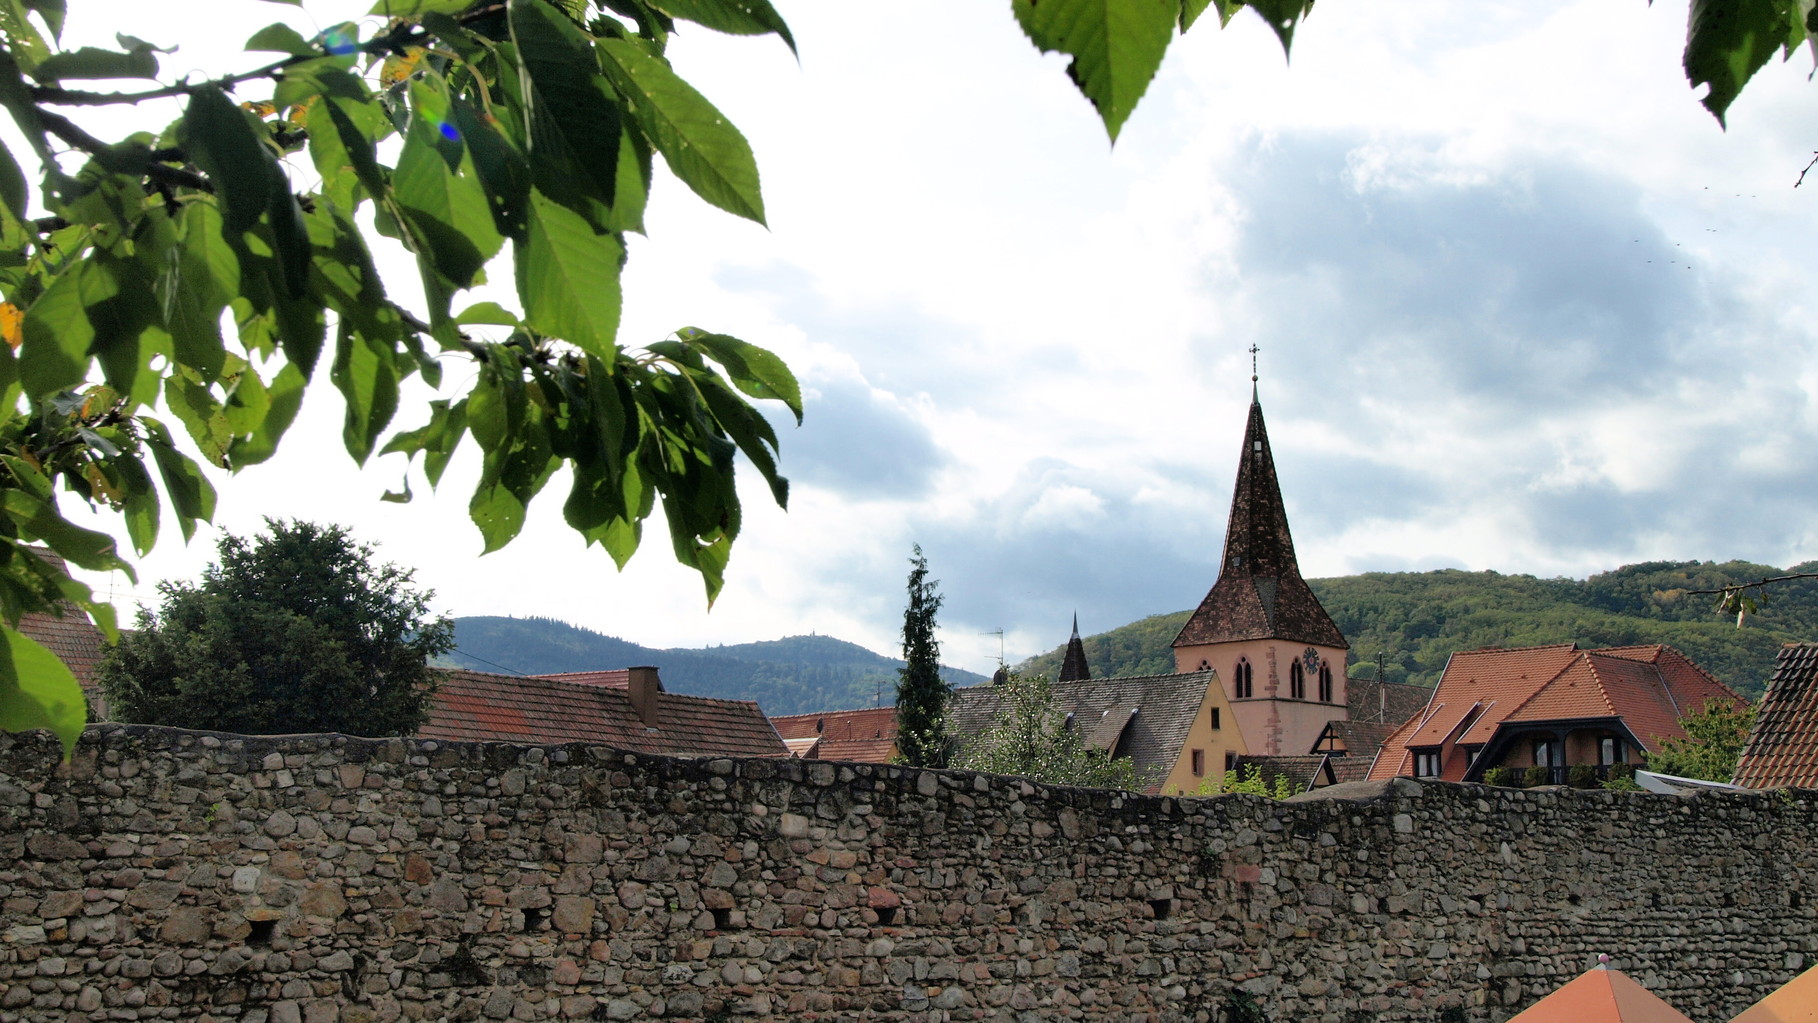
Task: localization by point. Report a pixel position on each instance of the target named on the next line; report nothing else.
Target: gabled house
(1782, 748)
(637, 715)
(1178, 729)
(861, 736)
(1549, 706)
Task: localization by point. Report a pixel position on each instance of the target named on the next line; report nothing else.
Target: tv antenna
(999, 633)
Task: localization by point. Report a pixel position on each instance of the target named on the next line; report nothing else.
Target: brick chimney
(642, 686)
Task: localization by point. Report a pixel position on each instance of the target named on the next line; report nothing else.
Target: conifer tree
(921, 693)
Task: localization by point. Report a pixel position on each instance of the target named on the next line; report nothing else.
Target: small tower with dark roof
(1281, 657)
(1074, 666)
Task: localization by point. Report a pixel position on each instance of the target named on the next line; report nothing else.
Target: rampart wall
(171, 875)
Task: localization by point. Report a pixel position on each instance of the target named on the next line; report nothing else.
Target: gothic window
(1297, 681)
(1241, 677)
(1325, 683)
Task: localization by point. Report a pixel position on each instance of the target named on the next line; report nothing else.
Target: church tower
(1280, 656)
(1073, 664)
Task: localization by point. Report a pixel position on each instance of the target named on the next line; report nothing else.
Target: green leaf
(281, 38)
(22, 38)
(54, 353)
(39, 517)
(734, 17)
(576, 136)
(52, 11)
(184, 486)
(698, 143)
(1283, 16)
(441, 194)
(38, 691)
(498, 512)
(487, 312)
(285, 397)
(1727, 41)
(753, 370)
(1116, 45)
(366, 376)
(568, 277)
(13, 190)
(342, 135)
(413, 10)
(221, 138)
(91, 62)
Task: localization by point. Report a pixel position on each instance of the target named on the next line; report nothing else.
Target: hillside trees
(921, 693)
(183, 265)
(298, 630)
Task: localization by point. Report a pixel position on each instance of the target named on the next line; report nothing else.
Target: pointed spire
(1260, 593)
(1073, 665)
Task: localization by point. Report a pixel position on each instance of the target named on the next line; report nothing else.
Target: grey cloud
(857, 443)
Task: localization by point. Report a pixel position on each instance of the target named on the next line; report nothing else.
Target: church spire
(1073, 665)
(1260, 593)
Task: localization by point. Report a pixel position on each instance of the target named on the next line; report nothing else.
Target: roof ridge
(1548, 684)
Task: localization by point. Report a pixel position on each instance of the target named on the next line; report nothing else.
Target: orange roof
(859, 751)
(1601, 995)
(473, 706)
(1794, 1002)
(1649, 688)
(1783, 744)
(870, 723)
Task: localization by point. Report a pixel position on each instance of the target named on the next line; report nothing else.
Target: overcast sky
(1521, 306)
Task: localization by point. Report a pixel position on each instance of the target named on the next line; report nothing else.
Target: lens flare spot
(450, 132)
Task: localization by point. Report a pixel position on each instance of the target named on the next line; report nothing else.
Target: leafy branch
(1740, 601)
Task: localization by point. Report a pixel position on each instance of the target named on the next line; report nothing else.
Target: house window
(1297, 681)
(1242, 677)
(1214, 717)
(1325, 683)
(1426, 763)
(1199, 763)
(1609, 750)
(1546, 753)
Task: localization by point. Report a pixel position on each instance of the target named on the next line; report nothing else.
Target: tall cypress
(921, 693)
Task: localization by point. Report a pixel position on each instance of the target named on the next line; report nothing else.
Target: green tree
(183, 265)
(1713, 743)
(1028, 737)
(921, 693)
(1250, 780)
(296, 631)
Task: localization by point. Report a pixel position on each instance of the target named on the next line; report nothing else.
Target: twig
(1808, 167)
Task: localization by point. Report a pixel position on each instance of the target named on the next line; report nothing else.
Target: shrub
(1537, 775)
(1582, 776)
(1507, 777)
(1621, 772)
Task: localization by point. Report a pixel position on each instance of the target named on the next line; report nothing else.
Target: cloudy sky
(1521, 305)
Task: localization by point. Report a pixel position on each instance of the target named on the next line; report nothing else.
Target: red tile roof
(863, 736)
(1259, 593)
(473, 706)
(1649, 688)
(1783, 745)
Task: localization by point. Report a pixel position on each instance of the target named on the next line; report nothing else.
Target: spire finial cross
(1253, 351)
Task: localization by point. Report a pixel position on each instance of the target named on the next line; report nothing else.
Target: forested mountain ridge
(795, 675)
(1418, 619)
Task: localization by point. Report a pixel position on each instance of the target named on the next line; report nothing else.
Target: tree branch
(1755, 585)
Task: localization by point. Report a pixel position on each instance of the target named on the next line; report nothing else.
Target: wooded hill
(785, 676)
(1418, 619)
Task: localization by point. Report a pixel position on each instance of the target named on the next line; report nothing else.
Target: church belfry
(1073, 665)
(1260, 626)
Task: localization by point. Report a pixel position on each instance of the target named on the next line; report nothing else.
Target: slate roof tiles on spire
(1073, 665)
(1259, 593)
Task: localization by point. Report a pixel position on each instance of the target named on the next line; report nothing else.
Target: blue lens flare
(339, 42)
(450, 132)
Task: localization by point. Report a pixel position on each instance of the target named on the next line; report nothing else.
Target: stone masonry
(173, 875)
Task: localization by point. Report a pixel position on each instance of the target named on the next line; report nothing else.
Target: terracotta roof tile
(1782, 749)
(472, 706)
(869, 723)
(1796, 1001)
(1352, 768)
(858, 751)
(1601, 995)
(1259, 593)
(1153, 738)
(616, 678)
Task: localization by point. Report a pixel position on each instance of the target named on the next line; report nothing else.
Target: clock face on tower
(1310, 660)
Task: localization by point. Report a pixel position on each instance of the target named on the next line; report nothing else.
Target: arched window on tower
(1297, 681)
(1325, 682)
(1241, 675)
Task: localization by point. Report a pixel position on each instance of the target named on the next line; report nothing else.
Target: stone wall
(320, 879)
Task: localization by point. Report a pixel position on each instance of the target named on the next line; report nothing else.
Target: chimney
(642, 686)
